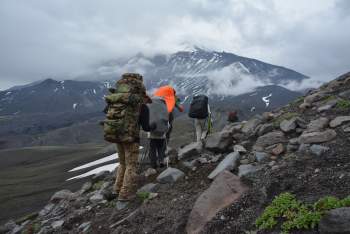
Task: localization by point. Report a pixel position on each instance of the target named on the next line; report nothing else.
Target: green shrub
(296, 215)
(143, 195)
(343, 104)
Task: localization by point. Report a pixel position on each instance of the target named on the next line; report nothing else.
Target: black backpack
(199, 107)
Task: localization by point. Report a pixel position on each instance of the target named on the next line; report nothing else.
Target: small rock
(202, 160)
(245, 169)
(291, 147)
(239, 148)
(260, 156)
(317, 125)
(294, 141)
(62, 195)
(218, 142)
(267, 116)
(272, 163)
(329, 105)
(279, 149)
(57, 224)
(96, 197)
(275, 167)
(339, 121)
(317, 137)
(150, 171)
(215, 158)
(170, 175)
(269, 139)
(191, 150)
(346, 129)
(244, 161)
(265, 128)
(250, 125)
(274, 158)
(345, 94)
(120, 205)
(317, 170)
(302, 123)
(229, 163)
(288, 125)
(190, 164)
(303, 148)
(318, 149)
(100, 176)
(85, 188)
(149, 188)
(84, 227)
(152, 196)
(336, 221)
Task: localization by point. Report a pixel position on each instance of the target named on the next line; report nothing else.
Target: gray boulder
(269, 139)
(265, 128)
(85, 188)
(336, 221)
(191, 150)
(170, 175)
(218, 142)
(329, 105)
(62, 195)
(223, 191)
(288, 125)
(339, 121)
(97, 197)
(239, 148)
(245, 169)
(317, 125)
(250, 125)
(149, 188)
(260, 156)
(345, 94)
(318, 149)
(229, 163)
(317, 137)
(232, 128)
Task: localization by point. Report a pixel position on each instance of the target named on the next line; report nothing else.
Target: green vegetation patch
(328, 98)
(143, 195)
(293, 214)
(343, 104)
(97, 185)
(286, 116)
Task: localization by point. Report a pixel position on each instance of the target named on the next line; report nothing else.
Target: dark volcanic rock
(225, 190)
(218, 142)
(336, 221)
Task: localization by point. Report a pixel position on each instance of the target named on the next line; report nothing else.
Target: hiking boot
(126, 198)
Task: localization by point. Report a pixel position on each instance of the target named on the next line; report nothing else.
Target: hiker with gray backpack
(158, 117)
(200, 112)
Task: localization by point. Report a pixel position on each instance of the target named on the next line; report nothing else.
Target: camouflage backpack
(121, 124)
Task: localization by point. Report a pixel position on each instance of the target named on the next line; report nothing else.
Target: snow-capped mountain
(201, 71)
(230, 81)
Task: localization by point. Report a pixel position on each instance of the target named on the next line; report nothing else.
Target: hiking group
(128, 109)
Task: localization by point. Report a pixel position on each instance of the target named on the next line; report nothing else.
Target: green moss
(97, 185)
(294, 214)
(343, 104)
(299, 100)
(143, 195)
(328, 98)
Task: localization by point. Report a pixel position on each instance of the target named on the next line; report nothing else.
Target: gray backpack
(158, 114)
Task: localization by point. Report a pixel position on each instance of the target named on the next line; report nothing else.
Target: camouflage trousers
(126, 180)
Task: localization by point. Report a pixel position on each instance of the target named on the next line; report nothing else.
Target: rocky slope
(223, 185)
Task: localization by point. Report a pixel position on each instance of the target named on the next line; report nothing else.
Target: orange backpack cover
(168, 94)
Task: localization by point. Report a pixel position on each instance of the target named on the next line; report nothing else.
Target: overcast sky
(62, 38)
